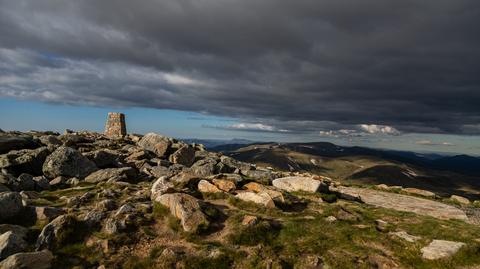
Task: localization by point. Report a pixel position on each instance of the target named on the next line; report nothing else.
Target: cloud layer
(297, 66)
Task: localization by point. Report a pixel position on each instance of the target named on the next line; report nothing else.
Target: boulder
(249, 220)
(162, 171)
(16, 229)
(41, 183)
(65, 161)
(256, 187)
(155, 143)
(261, 198)
(25, 161)
(405, 236)
(224, 185)
(296, 183)
(10, 243)
(28, 260)
(207, 187)
(264, 176)
(104, 158)
(185, 155)
(57, 232)
(160, 187)
(185, 208)
(419, 192)
(50, 140)
(439, 249)
(10, 205)
(460, 199)
(8, 143)
(3, 188)
(24, 182)
(112, 174)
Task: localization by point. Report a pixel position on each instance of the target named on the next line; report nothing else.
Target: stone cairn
(115, 126)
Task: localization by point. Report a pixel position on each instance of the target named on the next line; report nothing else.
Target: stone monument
(115, 126)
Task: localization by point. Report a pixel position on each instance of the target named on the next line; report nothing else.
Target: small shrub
(329, 197)
(160, 210)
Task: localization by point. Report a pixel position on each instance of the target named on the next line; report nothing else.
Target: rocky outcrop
(185, 208)
(224, 185)
(155, 143)
(439, 249)
(207, 187)
(401, 202)
(161, 186)
(460, 199)
(24, 161)
(28, 260)
(10, 205)
(306, 184)
(68, 162)
(56, 232)
(419, 192)
(8, 143)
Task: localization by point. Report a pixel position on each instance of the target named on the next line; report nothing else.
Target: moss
(329, 197)
(261, 233)
(160, 210)
(199, 262)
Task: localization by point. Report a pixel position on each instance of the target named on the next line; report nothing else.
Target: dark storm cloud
(292, 65)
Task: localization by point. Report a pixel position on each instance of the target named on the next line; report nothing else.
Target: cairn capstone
(115, 126)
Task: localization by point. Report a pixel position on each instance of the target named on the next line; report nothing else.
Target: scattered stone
(419, 192)
(41, 183)
(10, 205)
(160, 187)
(460, 199)
(3, 188)
(207, 187)
(24, 182)
(439, 249)
(406, 236)
(58, 182)
(264, 176)
(106, 205)
(306, 184)
(10, 243)
(381, 225)
(16, 229)
(104, 158)
(56, 232)
(47, 213)
(50, 140)
(25, 160)
(8, 143)
(186, 208)
(28, 260)
(330, 219)
(249, 220)
(65, 161)
(256, 187)
(111, 175)
(402, 202)
(224, 185)
(259, 198)
(155, 143)
(114, 226)
(184, 155)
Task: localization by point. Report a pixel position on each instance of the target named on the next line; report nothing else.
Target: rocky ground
(82, 200)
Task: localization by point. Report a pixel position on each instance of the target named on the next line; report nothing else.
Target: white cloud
(251, 127)
(379, 129)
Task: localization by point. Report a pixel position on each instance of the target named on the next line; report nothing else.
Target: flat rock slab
(402, 202)
(439, 249)
(306, 184)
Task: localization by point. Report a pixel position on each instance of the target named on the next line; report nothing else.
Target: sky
(385, 74)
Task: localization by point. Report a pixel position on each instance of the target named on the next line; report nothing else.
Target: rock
(186, 208)
(330, 219)
(230, 165)
(8, 143)
(93, 218)
(382, 262)
(184, 155)
(58, 182)
(224, 185)
(112, 174)
(56, 232)
(207, 187)
(3, 188)
(24, 182)
(402, 202)
(309, 262)
(104, 158)
(155, 143)
(256, 187)
(460, 199)
(25, 161)
(381, 225)
(295, 183)
(405, 236)
(162, 171)
(41, 183)
(419, 192)
(161, 186)
(264, 176)
(16, 229)
(106, 205)
(50, 140)
(28, 260)
(65, 161)
(249, 220)
(114, 226)
(259, 198)
(10, 243)
(10, 205)
(439, 249)
(47, 213)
